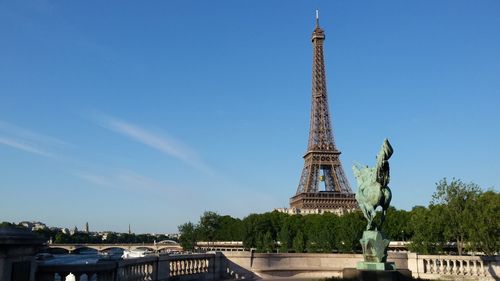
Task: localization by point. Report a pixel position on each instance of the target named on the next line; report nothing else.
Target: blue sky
(150, 113)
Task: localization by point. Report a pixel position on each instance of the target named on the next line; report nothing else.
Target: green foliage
(208, 226)
(349, 230)
(298, 242)
(187, 236)
(484, 231)
(396, 226)
(458, 200)
(265, 243)
(458, 212)
(7, 224)
(426, 226)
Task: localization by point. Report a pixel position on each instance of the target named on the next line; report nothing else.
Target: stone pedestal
(374, 252)
(362, 265)
(375, 266)
(17, 254)
(376, 275)
(374, 246)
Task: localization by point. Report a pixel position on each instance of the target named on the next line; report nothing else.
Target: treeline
(459, 213)
(110, 238)
(57, 236)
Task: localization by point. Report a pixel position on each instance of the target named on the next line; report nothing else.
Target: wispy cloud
(121, 179)
(160, 142)
(29, 141)
(18, 144)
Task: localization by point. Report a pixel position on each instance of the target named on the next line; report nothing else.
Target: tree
(326, 241)
(458, 199)
(208, 226)
(62, 238)
(396, 226)
(187, 237)
(285, 237)
(230, 229)
(349, 230)
(299, 243)
(265, 243)
(313, 227)
(427, 228)
(484, 232)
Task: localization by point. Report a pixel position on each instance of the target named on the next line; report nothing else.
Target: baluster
(150, 271)
(483, 271)
(441, 266)
(426, 269)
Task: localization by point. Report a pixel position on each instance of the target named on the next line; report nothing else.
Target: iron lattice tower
(321, 161)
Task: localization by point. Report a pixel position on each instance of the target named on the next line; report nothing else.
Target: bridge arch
(56, 250)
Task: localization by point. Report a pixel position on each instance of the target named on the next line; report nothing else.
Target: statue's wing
(382, 168)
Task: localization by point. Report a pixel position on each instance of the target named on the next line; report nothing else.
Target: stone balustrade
(454, 267)
(249, 265)
(154, 268)
(189, 265)
(100, 271)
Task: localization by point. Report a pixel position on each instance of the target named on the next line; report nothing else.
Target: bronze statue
(372, 186)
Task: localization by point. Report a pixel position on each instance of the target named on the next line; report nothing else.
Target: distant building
(173, 235)
(35, 225)
(297, 211)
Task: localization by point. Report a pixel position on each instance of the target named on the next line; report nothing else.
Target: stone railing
(248, 265)
(190, 264)
(155, 268)
(454, 267)
(102, 271)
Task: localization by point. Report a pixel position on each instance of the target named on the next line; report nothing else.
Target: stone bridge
(157, 247)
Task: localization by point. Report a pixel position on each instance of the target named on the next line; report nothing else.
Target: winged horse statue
(372, 186)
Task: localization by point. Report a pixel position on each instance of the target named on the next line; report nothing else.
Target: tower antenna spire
(317, 17)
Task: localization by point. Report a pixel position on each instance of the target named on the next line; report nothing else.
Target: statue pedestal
(374, 247)
(374, 252)
(362, 265)
(354, 274)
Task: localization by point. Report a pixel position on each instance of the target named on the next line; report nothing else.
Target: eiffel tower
(322, 166)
